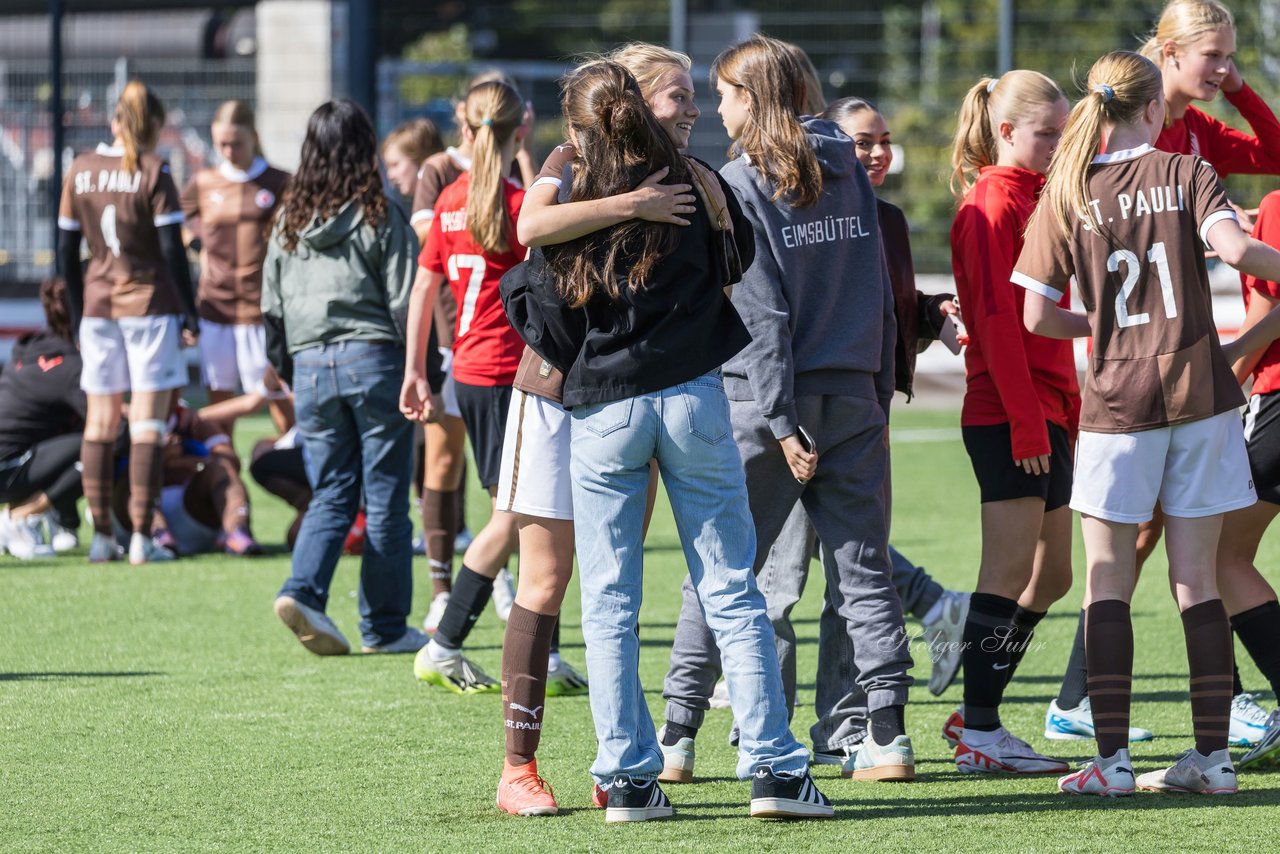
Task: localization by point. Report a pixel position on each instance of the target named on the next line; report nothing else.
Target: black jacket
(677, 327)
(40, 394)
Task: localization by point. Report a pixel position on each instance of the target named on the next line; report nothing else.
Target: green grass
(165, 708)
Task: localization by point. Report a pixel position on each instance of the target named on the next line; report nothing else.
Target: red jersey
(1266, 375)
(1227, 149)
(486, 350)
(1011, 375)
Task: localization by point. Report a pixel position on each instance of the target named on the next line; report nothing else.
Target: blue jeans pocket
(608, 417)
(708, 408)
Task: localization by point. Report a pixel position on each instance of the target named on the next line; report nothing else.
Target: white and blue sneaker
(1267, 751)
(1248, 721)
(635, 800)
(893, 763)
(1077, 724)
(677, 759)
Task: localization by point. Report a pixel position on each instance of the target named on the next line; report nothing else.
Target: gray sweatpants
(845, 501)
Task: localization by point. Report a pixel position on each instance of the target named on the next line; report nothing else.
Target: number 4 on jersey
(1156, 255)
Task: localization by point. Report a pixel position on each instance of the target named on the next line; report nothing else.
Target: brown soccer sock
(97, 462)
(1108, 639)
(439, 512)
(524, 680)
(1209, 657)
(145, 471)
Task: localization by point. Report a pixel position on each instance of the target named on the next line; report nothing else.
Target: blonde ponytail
(493, 111)
(139, 118)
(1183, 22)
(1009, 98)
(1119, 87)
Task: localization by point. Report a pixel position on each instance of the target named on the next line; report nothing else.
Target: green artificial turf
(165, 708)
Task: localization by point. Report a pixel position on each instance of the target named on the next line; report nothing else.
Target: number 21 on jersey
(1157, 256)
(475, 264)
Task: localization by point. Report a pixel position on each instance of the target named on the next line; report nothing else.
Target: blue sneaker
(1077, 724)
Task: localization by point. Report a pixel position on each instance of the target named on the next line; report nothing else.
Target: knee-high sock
(466, 603)
(1209, 657)
(1108, 637)
(1075, 680)
(1259, 631)
(986, 658)
(524, 680)
(1024, 629)
(439, 515)
(145, 471)
(98, 461)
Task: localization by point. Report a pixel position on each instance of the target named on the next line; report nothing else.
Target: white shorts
(131, 354)
(233, 351)
(535, 476)
(190, 537)
(1199, 468)
(449, 390)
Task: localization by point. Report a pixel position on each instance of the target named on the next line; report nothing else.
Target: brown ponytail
(139, 118)
(493, 111)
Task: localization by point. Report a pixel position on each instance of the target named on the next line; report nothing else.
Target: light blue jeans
(686, 428)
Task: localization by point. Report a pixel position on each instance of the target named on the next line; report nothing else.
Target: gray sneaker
(944, 637)
(411, 641)
(314, 629)
(1194, 773)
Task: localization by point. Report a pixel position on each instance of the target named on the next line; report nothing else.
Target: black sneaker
(636, 800)
(787, 796)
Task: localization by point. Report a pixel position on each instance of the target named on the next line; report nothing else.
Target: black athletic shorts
(991, 453)
(484, 412)
(1262, 439)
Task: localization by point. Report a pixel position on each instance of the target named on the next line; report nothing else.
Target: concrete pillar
(295, 72)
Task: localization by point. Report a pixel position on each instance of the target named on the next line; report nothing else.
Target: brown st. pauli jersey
(1138, 260)
(119, 214)
(231, 210)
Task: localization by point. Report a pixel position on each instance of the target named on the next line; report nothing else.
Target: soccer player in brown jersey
(228, 212)
(135, 307)
(1158, 418)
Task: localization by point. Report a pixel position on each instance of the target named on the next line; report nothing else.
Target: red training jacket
(1227, 149)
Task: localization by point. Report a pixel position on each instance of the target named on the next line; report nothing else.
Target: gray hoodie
(345, 281)
(817, 300)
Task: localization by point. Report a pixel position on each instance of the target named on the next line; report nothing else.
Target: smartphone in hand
(806, 441)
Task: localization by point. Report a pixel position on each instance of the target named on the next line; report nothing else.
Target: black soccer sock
(555, 638)
(1075, 681)
(1109, 635)
(1259, 631)
(1237, 686)
(471, 592)
(986, 658)
(671, 733)
(1024, 629)
(887, 724)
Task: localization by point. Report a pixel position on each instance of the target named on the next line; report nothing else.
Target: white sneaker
(435, 613)
(720, 696)
(1001, 752)
(314, 629)
(1077, 724)
(1109, 778)
(103, 548)
(1194, 773)
(411, 641)
(892, 763)
(62, 539)
(455, 673)
(24, 538)
(944, 637)
(1267, 751)
(563, 680)
(1248, 721)
(143, 549)
(504, 593)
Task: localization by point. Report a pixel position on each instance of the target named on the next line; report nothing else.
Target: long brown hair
(619, 144)
(493, 111)
(989, 102)
(139, 118)
(777, 92)
(338, 164)
(57, 309)
(1118, 89)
